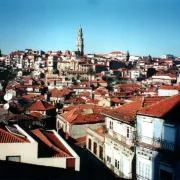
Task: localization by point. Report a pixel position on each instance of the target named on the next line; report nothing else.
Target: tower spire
(80, 42)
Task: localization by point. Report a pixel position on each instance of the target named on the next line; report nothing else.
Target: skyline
(142, 27)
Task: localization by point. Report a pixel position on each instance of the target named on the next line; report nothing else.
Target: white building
(75, 122)
(158, 140)
(166, 90)
(16, 145)
(115, 141)
(167, 56)
(95, 142)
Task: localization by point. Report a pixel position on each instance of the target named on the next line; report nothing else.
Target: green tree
(118, 75)
(91, 72)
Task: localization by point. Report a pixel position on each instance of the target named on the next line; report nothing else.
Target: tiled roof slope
(83, 116)
(60, 92)
(7, 137)
(152, 100)
(166, 107)
(49, 139)
(127, 112)
(169, 87)
(40, 106)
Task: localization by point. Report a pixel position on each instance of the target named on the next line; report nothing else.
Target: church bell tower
(79, 42)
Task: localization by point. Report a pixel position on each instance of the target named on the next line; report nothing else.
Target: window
(111, 125)
(89, 144)
(127, 132)
(116, 164)
(108, 159)
(13, 158)
(101, 152)
(95, 148)
(144, 170)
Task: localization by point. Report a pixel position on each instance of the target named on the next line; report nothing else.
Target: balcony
(120, 138)
(155, 143)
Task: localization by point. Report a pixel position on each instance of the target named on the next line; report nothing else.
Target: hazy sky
(141, 26)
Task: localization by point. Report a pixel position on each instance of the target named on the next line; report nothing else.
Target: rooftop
(40, 106)
(53, 145)
(10, 134)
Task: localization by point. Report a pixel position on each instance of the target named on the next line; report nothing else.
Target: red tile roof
(83, 116)
(79, 106)
(38, 115)
(40, 106)
(18, 117)
(50, 139)
(100, 131)
(60, 92)
(116, 100)
(7, 137)
(169, 87)
(76, 100)
(148, 101)
(163, 107)
(99, 92)
(102, 81)
(125, 113)
(81, 141)
(116, 52)
(85, 94)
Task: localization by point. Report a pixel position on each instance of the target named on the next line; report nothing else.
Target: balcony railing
(155, 143)
(119, 138)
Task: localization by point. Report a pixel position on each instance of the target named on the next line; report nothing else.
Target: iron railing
(120, 138)
(156, 142)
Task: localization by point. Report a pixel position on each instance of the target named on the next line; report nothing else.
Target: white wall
(144, 167)
(164, 92)
(27, 151)
(77, 131)
(120, 153)
(120, 128)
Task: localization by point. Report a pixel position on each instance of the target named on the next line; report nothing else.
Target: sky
(141, 26)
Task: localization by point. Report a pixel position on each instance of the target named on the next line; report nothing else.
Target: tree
(42, 75)
(91, 72)
(118, 75)
(151, 72)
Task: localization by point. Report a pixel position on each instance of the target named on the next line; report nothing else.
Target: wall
(77, 131)
(104, 102)
(163, 92)
(73, 153)
(121, 153)
(120, 129)
(95, 138)
(19, 149)
(157, 125)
